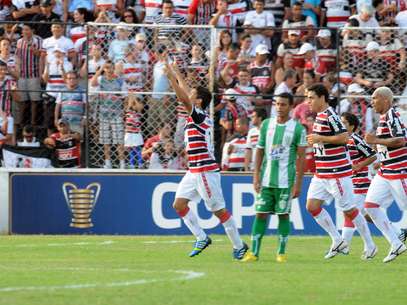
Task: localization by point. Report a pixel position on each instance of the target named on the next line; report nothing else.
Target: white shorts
(206, 186)
(384, 191)
(340, 189)
(133, 139)
(360, 203)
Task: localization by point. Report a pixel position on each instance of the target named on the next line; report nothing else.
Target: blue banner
(139, 204)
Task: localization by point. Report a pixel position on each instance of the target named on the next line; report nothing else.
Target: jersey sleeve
(197, 115)
(364, 148)
(336, 124)
(262, 135)
(397, 130)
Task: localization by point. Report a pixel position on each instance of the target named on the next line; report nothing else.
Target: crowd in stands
(55, 61)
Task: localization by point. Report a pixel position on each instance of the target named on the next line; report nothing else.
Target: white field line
(175, 241)
(181, 276)
(81, 243)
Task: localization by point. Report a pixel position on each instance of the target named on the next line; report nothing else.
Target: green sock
(258, 230)
(283, 231)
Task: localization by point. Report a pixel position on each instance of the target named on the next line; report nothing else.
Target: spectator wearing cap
(298, 20)
(231, 113)
(335, 13)
(326, 52)
(71, 104)
(118, 47)
(24, 10)
(376, 71)
(355, 103)
(59, 40)
(168, 17)
(42, 28)
(257, 23)
(66, 144)
(31, 62)
(224, 18)
(308, 51)
(292, 45)
(261, 70)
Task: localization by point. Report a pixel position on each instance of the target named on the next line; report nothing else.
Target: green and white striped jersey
(280, 143)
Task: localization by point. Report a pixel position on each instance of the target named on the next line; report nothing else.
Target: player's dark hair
(352, 120)
(261, 113)
(204, 95)
(262, 1)
(168, 2)
(288, 97)
(28, 129)
(297, 3)
(320, 90)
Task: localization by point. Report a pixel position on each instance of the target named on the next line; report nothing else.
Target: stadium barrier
(137, 203)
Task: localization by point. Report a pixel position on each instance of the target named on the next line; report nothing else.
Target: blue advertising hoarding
(135, 204)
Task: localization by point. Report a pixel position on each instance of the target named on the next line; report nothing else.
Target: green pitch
(112, 270)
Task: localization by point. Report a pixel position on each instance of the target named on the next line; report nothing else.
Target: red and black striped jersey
(359, 151)
(261, 75)
(199, 142)
(331, 160)
(133, 121)
(393, 160)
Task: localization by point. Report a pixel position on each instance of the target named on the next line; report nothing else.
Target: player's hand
(313, 138)
(256, 183)
(370, 138)
(296, 190)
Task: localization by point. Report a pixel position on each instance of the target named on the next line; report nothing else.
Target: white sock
(361, 225)
(325, 221)
(395, 229)
(191, 221)
(233, 233)
(347, 234)
(382, 222)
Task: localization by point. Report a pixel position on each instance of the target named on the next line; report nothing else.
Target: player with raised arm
(278, 172)
(390, 183)
(202, 179)
(361, 155)
(332, 178)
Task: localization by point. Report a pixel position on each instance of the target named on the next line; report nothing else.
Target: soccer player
(202, 178)
(281, 145)
(361, 155)
(332, 177)
(390, 183)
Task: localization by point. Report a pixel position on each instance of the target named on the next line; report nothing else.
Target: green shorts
(274, 201)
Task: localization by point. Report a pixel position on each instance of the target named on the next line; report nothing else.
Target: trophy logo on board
(81, 203)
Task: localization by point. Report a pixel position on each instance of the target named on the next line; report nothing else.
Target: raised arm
(176, 84)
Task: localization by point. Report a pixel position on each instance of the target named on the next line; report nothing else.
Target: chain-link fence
(130, 101)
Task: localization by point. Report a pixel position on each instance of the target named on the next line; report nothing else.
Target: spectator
(232, 112)
(168, 17)
(31, 61)
(130, 17)
(248, 91)
(279, 9)
(71, 104)
(201, 11)
(133, 139)
(366, 19)
(110, 112)
(224, 18)
(181, 7)
(288, 63)
(225, 41)
(228, 68)
(308, 51)
(239, 9)
(376, 71)
(95, 62)
(137, 6)
(153, 9)
(6, 127)
(392, 50)
(131, 71)
(80, 16)
(24, 10)
(288, 84)
(326, 53)
(118, 47)
(29, 140)
(335, 13)
(66, 144)
(110, 7)
(10, 60)
(359, 106)
(164, 156)
(234, 150)
(5, 10)
(311, 8)
(308, 79)
(292, 45)
(299, 20)
(42, 28)
(58, 40)
(162, 136)
(12, 32)
(261, 70)
(198, 67)
(257, 117)
(247, 51)
(75, 4)
(258, 23)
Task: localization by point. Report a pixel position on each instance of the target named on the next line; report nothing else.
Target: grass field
(113, 270)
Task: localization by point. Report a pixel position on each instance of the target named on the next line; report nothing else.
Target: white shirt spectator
(25, 143)
(117, 49)
(160, 80)
(262, 20)
(49, 44)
